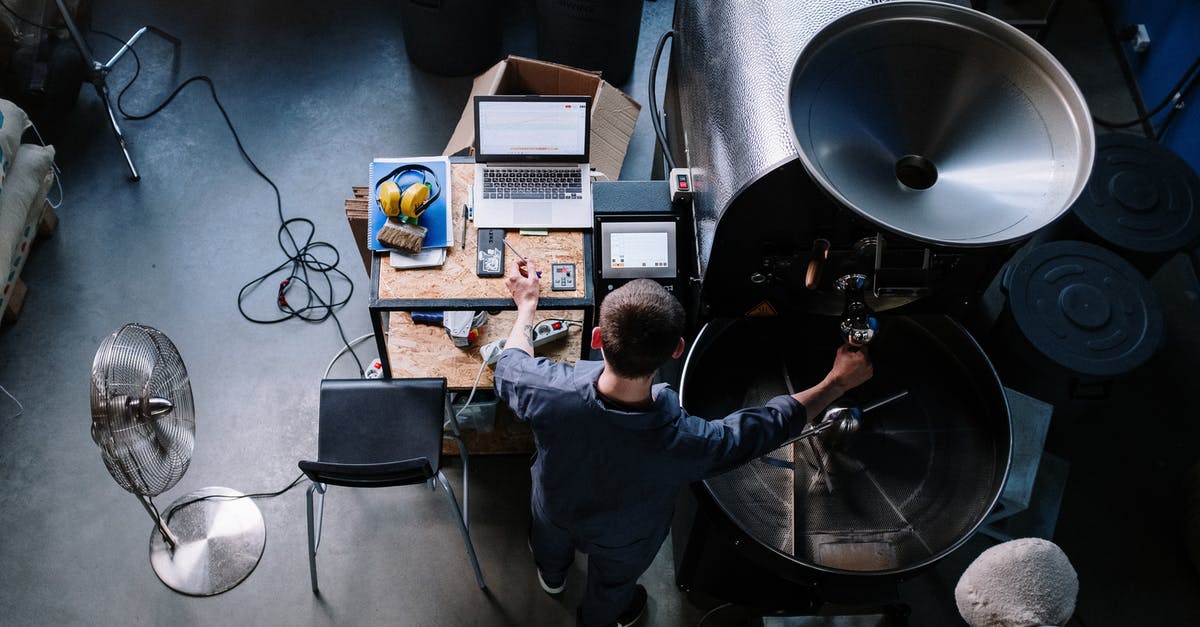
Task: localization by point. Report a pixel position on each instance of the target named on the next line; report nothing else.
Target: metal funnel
(940, 123)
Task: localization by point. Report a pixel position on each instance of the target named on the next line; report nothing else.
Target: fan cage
(146, 454)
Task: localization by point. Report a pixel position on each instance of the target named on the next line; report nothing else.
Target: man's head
(641, 326)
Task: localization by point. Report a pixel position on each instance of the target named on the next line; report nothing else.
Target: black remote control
(490, 259)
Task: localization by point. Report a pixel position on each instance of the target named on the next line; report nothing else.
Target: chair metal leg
(462, 453)
(462, 527)
(314, 529)
(455, 435)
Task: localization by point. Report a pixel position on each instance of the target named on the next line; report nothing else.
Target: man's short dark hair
(641, 323)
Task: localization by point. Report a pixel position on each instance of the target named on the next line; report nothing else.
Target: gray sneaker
(550, 588)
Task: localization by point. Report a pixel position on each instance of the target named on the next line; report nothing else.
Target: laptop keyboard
(532, 183)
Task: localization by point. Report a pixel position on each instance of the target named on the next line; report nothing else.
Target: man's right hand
(522, 283)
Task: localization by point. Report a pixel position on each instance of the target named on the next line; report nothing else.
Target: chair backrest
(378, 432)
(369, 475)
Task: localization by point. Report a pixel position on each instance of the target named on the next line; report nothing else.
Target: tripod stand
(97, 73)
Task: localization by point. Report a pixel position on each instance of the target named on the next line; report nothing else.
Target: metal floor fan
(144, 422)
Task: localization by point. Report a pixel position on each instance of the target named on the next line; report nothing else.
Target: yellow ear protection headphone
(407, 201)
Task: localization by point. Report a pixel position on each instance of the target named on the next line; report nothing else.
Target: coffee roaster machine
(861, 171)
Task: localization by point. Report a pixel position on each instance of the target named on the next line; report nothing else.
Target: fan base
(220, 543)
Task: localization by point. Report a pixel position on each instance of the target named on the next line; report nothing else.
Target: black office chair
(377, 433)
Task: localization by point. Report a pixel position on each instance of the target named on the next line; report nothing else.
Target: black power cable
(21, 18)
(304, 267)
(652, 102)
(1175, 96)
(1178, 106)
(230, 497)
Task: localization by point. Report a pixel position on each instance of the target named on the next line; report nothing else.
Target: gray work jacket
(612, 476)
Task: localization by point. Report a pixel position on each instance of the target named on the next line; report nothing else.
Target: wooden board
(421, 350)
(456, 278)
(357, 210)
(48, 223)
(12, 307)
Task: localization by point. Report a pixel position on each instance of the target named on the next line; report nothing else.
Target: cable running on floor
(309, 271)
(1175, 98)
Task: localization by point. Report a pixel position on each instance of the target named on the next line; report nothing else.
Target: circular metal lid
(940, 123)
(1141, 197)
(911, 484)
(1085, 308)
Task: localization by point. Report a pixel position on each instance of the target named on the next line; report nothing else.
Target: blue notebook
(437, 218)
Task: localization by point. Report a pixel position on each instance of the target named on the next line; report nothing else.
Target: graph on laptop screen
(550, 129)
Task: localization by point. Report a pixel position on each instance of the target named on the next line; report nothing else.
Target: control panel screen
(631, 250)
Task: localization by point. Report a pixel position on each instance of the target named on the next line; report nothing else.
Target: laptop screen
(533, 129)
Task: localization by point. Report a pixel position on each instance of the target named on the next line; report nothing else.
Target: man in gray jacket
(614, 449)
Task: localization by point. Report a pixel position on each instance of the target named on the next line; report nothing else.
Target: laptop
(531, 156)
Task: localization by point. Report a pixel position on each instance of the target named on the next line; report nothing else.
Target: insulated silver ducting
(732, 64)
(804, 120)
(940, 123)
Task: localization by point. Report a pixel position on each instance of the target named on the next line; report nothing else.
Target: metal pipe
(167, 535)
(884, 401)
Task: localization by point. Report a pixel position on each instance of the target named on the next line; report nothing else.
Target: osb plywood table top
(420, 350)
(417, 350)
(456, 280)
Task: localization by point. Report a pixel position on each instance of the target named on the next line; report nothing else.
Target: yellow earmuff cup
(389, 198)
(412, 200)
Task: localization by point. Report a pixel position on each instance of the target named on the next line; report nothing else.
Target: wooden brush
(403, 236)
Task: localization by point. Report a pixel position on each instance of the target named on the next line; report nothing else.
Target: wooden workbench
(417, 350)
(456, 280)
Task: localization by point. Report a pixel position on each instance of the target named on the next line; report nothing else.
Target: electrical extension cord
(543, 333)
(490, 352)
(548, 331)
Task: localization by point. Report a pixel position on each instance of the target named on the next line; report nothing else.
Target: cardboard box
(613, 113)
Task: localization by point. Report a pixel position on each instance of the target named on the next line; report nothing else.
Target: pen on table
(464, 238)
(519, 255)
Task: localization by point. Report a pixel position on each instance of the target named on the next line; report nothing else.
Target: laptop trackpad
(532, 212)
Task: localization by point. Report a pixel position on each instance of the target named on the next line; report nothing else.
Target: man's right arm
(516, 361)
(522, 283)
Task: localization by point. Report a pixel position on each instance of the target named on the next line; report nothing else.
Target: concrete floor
(316, 91)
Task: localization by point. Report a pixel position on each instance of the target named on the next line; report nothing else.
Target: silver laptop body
(531, 155)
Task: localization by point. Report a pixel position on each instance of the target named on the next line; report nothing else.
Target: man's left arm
(752, 432)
